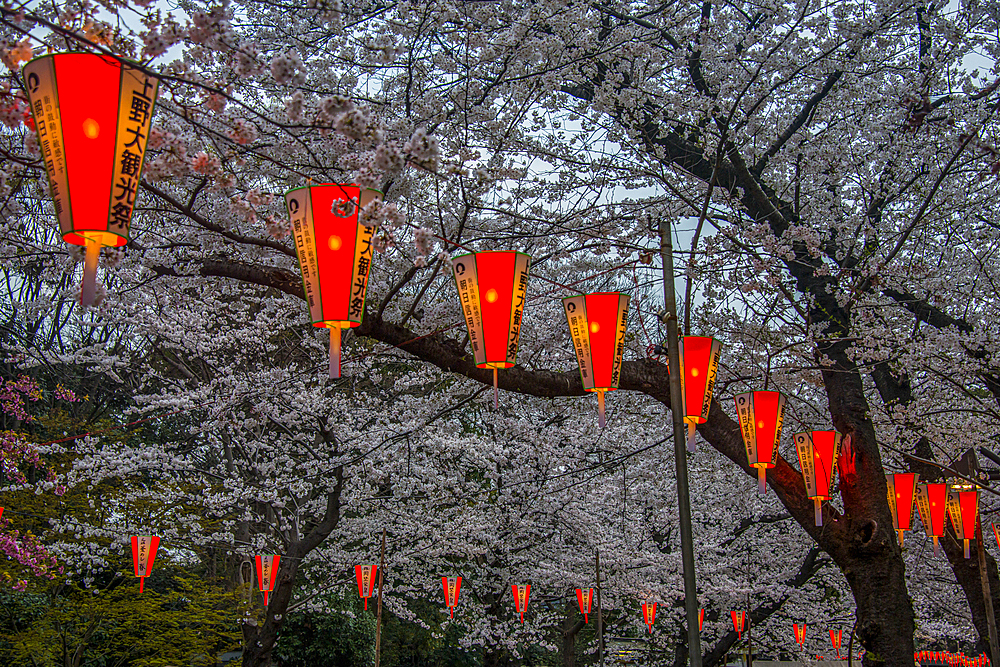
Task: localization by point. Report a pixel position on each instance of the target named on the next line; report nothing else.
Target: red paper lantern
(739, 618)
(901, 488)
(491, 290)
(584, 596)
(267, 572)
(932, 505)
(365, 575)
(699, 367)
(835, 638)
(521, 594)
(649, 614)
(143, 554)
(761, 414)
(335, 255)
(597, 327)
(963, 507)
(701, 619)
(452, 585)
(92, 115)
(800, 633)
(1, 512)
(817, 452)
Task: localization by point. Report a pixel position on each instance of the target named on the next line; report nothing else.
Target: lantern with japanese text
(901, 488)
(701, 619)
(365, 574)
(491, 292)
(818, 452)
(521, 594)
(800, 633)
(835, 638)
(584, 596)
(267, 572)
(963, 508)
(649, 614)
(932, 505)
(699, 367)
(452, 586)
(334, 248)
(761, 414)
(143, 554)
(597, 327)
(739, 618)
(92, 114)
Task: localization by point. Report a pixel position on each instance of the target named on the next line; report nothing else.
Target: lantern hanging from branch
(365, 575)
(452, 585)
(817, 452)
(835, 638)
(761, 414)
(739, 618)
(800, 633)
(335, 255)
(92, 115)
(901, 488)
(699, 356)
(143, 554)
(963, 508)
(932, 505)
(649, 614)
(521, 594)
(584, 596)
(267, 572)
(491, 291)
(597, 326)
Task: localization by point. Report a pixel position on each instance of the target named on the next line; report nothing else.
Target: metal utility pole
(600, 613)
(378, 613)
(669, 318)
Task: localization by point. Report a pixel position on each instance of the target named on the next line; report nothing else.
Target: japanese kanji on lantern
(92, 114)
(452, 585)
(491, 290)
(365, 575)
(334, 249)
(761, 414)
(932, 505)
(584, 596)
(818, 452)
(963, 508)
(649, 614)
(901, 488)
(267, 572)
(699, 357)
(521, 594)
(597, 326)
(739, 618)
(800, 633)
(835, 637)
(143, 554)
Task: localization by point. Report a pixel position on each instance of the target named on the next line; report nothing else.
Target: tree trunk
(571, 628)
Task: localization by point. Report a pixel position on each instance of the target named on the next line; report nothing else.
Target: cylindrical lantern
(800, 633)
(365, 574)
(901, 488)
(521, 594)
(699, 366)
(92, 114)
(739, 618)
(701, 619)
(963, 508)
(584, 596)
(818, 451)
(649, 614)
(452, 586)
(143, 554)
(761, 414)
(491, 290)
(267, 572)
(932, 505)
(597, 326)
(335, 255)
(835, 637)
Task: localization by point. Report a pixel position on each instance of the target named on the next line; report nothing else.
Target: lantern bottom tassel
(600, 409)
(334, 352)
(692, 429)
(141, 579)
(900, 538)
(818, 504)
(967, 552)
(762, 481)
(496, 390)
(89, 287)
(937, 547)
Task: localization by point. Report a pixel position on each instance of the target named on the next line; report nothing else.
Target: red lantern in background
(649, 614)
(901, 488)
(335, 255)
(143, 554)
(835, 638)
(267, 572)
(761, 414)
(932, 505)
(739, 618)
(452, 585)
(521, 594)
(92, 115)
(365, 574)
(818, 451)
(491, 290)
(963, 508)
(701, 619)
(699, 367)
(584, 596)
(597, 326)
(800, 633)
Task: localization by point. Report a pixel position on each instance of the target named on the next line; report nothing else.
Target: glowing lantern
(584, 596)
(901, 487)
(267, 572)
(835, 638)
(932, 505)
(365, 575)
(963, 507)
(699, 367)
(800, 633)
(452, 585)
(739, 618)
(701, 619)
(491, 291)
(521, 594)
(143, 554)
(649, 614)
(761, 414)
(818, 451)
(335, 255)
(996, 533)
(1, 513)
(597, 327)
(92, 114)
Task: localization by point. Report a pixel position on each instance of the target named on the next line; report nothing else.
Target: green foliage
(336, 639)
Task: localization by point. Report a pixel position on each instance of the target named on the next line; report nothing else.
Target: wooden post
(600, 614)
(991, 620)
(378, 613)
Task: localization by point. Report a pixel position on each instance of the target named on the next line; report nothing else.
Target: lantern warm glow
(818, 451)
(761, 414)
(92, 114)
(901, 488)
(267, 572)
(835, 639)
(335, 255)
(932, 505)
(649, 614)
(493, 320)
(597, 326)
(584, 597)
(701, 619)
(699, 366)
(800, 633)
(143, 554)
(963, 508)
(452, 586)
(365, 574)
(521, 594)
